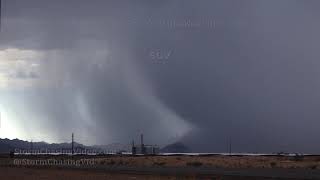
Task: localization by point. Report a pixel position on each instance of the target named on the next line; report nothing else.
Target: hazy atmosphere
(206, 73)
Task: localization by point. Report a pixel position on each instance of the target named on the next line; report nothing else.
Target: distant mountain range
(20, 146)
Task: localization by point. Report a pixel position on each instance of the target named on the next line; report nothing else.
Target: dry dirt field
(306, 162)
(30, 172)
(11, 173)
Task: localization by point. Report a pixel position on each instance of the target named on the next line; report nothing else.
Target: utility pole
(134, 149)
(72, 144)
(230, 150)
(31, 146)
(142, 144)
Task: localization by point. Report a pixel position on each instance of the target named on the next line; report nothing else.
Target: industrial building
(144, 149)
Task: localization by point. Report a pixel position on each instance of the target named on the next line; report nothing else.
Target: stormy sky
(205, 73)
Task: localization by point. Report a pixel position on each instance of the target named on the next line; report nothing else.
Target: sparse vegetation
(159, 163)
(112, 162)
(307, 162)
(273, 164)
(313, 166)
(121, 162)
(298, 157)
(102, 162)
(194, 163)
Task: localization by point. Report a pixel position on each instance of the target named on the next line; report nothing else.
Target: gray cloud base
(252, 78)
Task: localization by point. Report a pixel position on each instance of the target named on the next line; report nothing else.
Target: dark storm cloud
(245, 71)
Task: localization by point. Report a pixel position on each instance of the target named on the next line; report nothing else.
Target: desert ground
(306, 162)
(162, 167)
(15, 173)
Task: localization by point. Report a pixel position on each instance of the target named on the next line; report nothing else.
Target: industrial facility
(144, 149)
